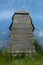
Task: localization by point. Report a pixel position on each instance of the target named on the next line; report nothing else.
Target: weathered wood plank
(21, 38)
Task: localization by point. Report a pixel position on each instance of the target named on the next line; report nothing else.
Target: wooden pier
(21, 38)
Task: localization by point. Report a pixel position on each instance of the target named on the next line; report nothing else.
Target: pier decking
(21, 38)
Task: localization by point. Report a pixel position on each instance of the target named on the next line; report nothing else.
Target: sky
(35, 8)
(8, 7)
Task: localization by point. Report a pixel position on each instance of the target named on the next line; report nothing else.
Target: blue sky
(8, 7)
(35, 8)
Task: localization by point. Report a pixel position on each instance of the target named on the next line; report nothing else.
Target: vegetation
(37, 47)
(24, 59)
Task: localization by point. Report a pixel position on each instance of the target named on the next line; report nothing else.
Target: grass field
(25, 59)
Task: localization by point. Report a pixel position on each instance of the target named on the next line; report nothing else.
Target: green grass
(25, 59)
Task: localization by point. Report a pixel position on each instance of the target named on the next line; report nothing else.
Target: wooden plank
(22, 49)
(21, 37)
(18, 32)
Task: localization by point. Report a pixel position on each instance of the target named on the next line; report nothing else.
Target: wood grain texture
(21, 37)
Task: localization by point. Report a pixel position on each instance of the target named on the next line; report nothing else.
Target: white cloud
(40, 33)
(6, 14)
(4, 33)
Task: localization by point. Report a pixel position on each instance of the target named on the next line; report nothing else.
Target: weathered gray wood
(21, 38)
